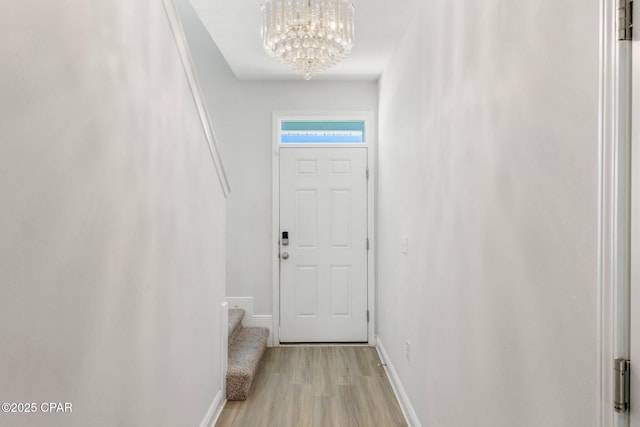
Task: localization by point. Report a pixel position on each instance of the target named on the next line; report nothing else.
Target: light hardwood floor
(317, 387)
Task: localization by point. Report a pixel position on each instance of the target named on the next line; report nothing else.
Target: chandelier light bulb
(307, 36)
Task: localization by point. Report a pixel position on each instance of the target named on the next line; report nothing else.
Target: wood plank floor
(317, 387)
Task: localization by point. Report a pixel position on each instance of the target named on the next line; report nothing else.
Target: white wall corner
(212, 415)
(215, 409)
(250, 319)
(194, 85)
(405, 404)
(224, 347)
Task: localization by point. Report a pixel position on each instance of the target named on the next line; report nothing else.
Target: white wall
(218, 83)
(249, 212)
(242, 114)
(112, 220)
(488, 163)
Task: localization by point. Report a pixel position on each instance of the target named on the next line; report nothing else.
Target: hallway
(137, 176)
(317, 386)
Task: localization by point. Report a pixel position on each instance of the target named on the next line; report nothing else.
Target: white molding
(275, 227)
(224, 347)
(372, 163)
(634, 247)
(605, 231)
(371, 145)
(190, 73)
(613, 212)
(250, 319)
(403, 399)
(214, 411)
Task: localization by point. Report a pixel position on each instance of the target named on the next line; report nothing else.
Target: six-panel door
(323, 269)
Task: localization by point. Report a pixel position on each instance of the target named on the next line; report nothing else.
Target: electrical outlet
(407, 351)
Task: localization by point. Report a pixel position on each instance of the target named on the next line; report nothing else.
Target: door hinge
(367, 173)
(367, 316)
(622, 374)
(367, 243)
(625, 20)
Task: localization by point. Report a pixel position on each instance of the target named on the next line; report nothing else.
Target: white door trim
(614, 204)
(371, 145)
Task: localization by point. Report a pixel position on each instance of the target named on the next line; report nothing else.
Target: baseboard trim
(250, 319)
(403, 399)
(212, 415)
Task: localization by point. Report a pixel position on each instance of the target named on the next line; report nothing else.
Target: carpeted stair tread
(245, 353)
(235, 323)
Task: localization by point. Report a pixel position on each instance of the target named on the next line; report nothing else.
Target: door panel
(323, 280)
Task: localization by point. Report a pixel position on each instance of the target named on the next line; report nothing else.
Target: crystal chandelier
(307, 36)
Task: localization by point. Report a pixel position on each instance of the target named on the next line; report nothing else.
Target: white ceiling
(234, 25)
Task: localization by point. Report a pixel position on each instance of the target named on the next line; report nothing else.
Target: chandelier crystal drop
(307, 36)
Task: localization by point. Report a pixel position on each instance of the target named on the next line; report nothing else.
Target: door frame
(614, 197)
(371, 145)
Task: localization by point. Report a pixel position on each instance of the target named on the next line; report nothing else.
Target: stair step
(245, 354)
(235, 323)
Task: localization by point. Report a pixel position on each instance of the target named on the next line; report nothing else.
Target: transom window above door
(322, 132)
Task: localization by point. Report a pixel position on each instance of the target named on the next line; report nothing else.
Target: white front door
(323, 268)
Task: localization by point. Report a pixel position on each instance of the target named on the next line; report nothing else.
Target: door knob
(285, 255)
